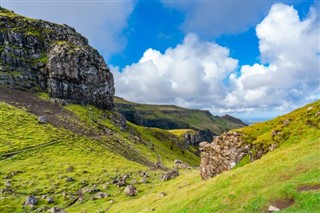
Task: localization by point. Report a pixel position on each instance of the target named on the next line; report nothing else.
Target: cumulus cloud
(290, 48)
(201, 74)
(191, 74)
(100, 21)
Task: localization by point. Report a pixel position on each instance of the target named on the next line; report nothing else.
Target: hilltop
(172, 117)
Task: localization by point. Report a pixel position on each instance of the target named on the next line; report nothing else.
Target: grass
(20, 129)
(251, 188)
(181, 132)
(94, 162)
(169, 117)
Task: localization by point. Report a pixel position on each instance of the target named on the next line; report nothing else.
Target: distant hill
(173, 117)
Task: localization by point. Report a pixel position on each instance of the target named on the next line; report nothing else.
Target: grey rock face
(226, 151)
(43, 56)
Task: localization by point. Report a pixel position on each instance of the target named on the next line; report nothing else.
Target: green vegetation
(251, 188)
(173, 117)
(180, 132)
(38, 159)
(290, 128)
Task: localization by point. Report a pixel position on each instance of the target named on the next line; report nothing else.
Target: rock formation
(225, 152)
(42, 56)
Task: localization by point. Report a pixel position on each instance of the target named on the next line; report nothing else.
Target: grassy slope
(197, 119)
(94, 160)
(253, 187)
(250, 188)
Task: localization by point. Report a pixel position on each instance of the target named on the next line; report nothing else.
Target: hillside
(173, 117)
(287, 177)
(88, 145)
(90, 151)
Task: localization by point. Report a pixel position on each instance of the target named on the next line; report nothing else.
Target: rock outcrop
(43, 56)
(225, 152)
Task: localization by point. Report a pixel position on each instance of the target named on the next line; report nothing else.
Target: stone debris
(169, 175)
(42, 119)
(56, 210)
(131, 190)
(162, 194)
(31, 200)
(273, 209)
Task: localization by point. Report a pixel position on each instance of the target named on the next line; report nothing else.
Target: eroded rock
(42, 56)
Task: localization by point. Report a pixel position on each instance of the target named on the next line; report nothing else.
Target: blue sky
(252, 59)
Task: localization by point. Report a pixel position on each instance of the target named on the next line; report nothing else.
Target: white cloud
(191, 74)
(101, 22)
(202, 74)
(290, 47)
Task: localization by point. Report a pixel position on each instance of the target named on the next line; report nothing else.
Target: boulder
(131, 190)
(100, 195)
(42, 119)
(56, 210)
(169, 175)
(31, 200)
(273, 209)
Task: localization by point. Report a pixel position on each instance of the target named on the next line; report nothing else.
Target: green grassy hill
(40, 159)
(289, 176)
(173, 117)
(87, 146)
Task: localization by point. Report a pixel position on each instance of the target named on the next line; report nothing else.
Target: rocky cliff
(226, 151)
(42, 56)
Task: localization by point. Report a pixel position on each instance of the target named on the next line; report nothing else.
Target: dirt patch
(55, 114)
(309, 187)
(283, 203)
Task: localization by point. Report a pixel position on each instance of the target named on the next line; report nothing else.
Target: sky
(253, 59)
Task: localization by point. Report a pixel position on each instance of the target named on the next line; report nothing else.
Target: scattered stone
(50, 200)
(273, 209)
(144, 180)
(144, 174)
(100, 195)
(8, 183)
(112, 201)
(178, 164)
(309, 108)
(286, 122)
(105, 187)
(275, 132)
(42, 119)
(92, 191)
(131, 190)
(151, 209)
(31, 200)
(169, 175)
(56, 210)
(317, 114)
(162, 194)
(70, 179)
